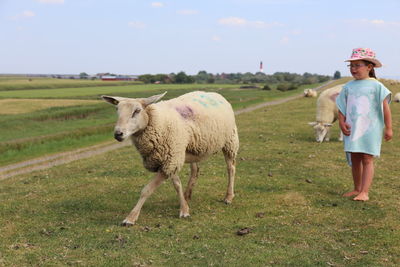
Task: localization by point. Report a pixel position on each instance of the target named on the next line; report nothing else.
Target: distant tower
(261, 67)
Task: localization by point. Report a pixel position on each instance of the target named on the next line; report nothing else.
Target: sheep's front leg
(184, 207)
(328, 135)
(341, 136)
(146, 192)
(194, 173)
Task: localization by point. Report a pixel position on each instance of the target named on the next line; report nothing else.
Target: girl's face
(360, 69)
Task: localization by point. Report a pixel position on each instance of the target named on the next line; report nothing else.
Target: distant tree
(83, 75)
(147, 78)
(293, 86)
(162, 78)
(323, 78)
(181, 77)
(337, 75)
(211, 79)
(267, 87)
(203, 77)
(310, 80)
(283, 86)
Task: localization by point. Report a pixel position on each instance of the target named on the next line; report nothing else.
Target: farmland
(62, 119)
(28, 83)
(288, 194)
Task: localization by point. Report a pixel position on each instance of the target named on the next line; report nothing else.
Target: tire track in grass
(66, 157)
(57, 159)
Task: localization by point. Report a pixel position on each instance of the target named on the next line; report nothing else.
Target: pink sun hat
(365, 54)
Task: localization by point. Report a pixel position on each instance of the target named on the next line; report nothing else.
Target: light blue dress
(361, 102)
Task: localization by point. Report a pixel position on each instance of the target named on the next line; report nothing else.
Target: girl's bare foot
(362, 197)
(352, 193)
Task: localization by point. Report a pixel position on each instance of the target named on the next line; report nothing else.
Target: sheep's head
(321, 130)
(132, 117)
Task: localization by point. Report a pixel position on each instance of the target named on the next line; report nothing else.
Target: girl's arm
(345, 127)
(388, 120)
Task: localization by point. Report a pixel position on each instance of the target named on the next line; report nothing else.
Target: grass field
(288, 193)
(76, 117)
(20, 106)
(28, 83)
(95, 92)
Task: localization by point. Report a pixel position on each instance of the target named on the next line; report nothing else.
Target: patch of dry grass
(20, 106)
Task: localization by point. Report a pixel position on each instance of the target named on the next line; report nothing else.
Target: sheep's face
(321, 130)
(132, 116)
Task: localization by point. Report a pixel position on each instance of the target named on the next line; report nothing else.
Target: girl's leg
(367, 177)
(356, 170)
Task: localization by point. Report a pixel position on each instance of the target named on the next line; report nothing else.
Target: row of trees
(245, 78)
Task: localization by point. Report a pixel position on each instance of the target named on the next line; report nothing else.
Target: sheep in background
(396, 98)
(167, 134)
(310, 93)
(327, 113)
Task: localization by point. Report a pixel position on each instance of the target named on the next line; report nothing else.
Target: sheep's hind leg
(194, 174)
(184, 207)
(146, 192)
(230, 164)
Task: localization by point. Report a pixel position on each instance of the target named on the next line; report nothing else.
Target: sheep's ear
(152, 99)
(114, 100)
(313, 123)
(328, 124)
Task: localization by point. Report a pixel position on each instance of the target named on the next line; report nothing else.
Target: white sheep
(327, 113)
(167, 134)
(310, 93)
(396, 97)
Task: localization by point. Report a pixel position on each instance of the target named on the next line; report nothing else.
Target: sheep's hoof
(227, 202)
(184, 215)
(228, 199)
(127, 223)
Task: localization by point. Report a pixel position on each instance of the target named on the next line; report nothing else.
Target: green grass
(70, 215)
(28, 83)
(59, 129)
(53, 130)
(95, 92)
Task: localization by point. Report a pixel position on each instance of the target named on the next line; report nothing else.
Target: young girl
(363, 112)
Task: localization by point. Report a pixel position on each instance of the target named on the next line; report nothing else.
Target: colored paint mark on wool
(185, 111)
(207, 101)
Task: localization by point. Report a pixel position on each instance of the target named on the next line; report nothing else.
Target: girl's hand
(345, 127)
(388, 134)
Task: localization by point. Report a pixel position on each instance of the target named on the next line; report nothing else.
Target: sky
(149, 37)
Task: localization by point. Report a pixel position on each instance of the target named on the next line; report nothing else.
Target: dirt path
(66, 157)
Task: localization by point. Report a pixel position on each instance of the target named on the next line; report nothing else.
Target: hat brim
(376, 62)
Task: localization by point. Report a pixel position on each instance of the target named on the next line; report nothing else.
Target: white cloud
(241, 22)
(23, 15)
(187, 12)
(285, 40)
(216, 38)
(27, 14)
(137, 24)
(297, 32)
(232, 21)
(157, 4)
(51, 1)
(375, 22)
